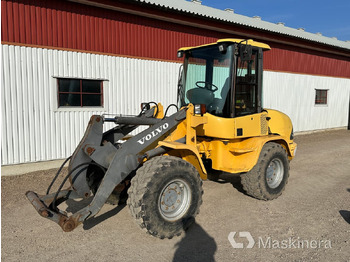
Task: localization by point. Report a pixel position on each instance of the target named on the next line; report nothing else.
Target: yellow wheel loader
(220, 124)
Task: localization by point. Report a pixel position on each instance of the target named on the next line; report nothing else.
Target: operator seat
(200, 96)
(217, 106)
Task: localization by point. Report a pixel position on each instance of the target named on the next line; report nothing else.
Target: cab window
(246, 86)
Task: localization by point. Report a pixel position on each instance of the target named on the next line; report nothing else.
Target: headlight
(200, 109)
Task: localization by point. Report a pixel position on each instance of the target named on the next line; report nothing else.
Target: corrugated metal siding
(289, 59)
(294, 95)
(34, 130)
(70, 25)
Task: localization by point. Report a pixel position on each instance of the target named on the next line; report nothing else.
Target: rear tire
(165, 196)
(268, 178)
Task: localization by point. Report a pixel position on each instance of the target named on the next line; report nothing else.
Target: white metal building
(130, 47)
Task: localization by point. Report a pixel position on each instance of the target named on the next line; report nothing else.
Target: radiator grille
(263, 122)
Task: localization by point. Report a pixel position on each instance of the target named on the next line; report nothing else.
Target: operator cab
(225, 76)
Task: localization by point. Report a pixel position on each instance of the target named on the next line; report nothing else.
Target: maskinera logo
(247, 235)
(268, 242)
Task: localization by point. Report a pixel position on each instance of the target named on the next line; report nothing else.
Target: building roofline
(253, 22)
(228, 16)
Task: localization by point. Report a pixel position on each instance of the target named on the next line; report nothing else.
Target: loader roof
(231, 40)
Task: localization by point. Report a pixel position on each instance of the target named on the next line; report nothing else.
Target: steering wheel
(207, 85)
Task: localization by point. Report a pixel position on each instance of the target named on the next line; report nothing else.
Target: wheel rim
(274, 173)
(174, 200)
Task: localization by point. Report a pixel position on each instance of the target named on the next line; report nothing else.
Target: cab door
(248, 83)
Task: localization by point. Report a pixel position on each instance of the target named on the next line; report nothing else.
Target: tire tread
(252, 181)
(143, 180)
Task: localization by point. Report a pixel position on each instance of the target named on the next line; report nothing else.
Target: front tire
(165, 195)
(268, 178)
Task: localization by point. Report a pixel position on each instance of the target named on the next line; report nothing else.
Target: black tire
(268, 178)
(156, 183)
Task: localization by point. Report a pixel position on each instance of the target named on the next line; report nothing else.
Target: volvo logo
(154, 133)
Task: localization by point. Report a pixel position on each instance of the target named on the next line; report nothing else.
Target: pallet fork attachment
(97, 148)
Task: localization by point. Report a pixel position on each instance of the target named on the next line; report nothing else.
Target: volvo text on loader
(220, 124)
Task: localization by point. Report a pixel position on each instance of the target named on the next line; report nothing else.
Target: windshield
(206, 78)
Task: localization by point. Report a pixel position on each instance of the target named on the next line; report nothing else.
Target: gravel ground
(314, 210)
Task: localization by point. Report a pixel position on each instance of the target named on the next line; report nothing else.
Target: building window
(321, 97)
(80, 92)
